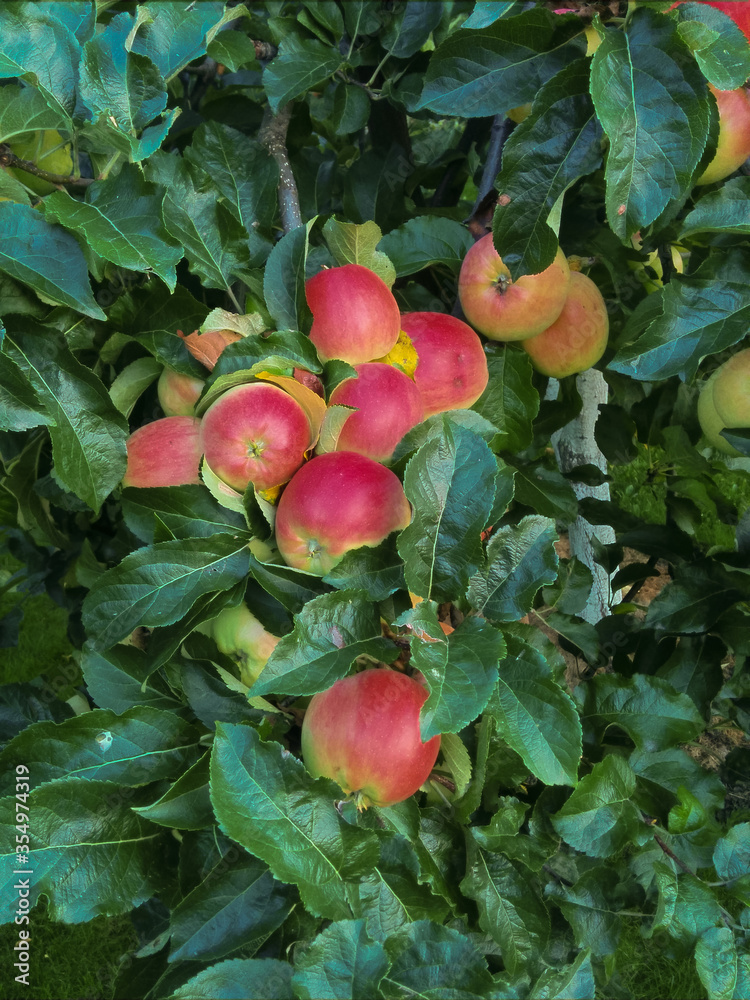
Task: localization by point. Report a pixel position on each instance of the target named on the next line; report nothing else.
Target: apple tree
(173, 173)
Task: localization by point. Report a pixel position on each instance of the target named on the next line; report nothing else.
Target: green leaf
(460, 669)
(457, 760)
(521, 558)
(243, 171)
(341, 963)
(88, 434)
(330, 632)
(118, 83)
(172, 37)
(188, 512)
(599, 818)
(39, 47)
(511, 910)
(119, 679)
(426, 240)
(158, 584)
(647, 708)
(716, 962)
(284, 280)
(121, 221)
(572, 982)
(299, 65)
(536, 717)
(694, 669)
(245, 353)
(645, 84)
(591, 908)
(20, 405)
(545, 490)
(510, 400)
(132, 382)
(351, 243)
(235, 904)
(215, 242)
(46, 258)
(557, 144)
(351, 108)
(434, 962)
(92, 854)
(703, 313)
(719, 46)
(377, 570)
(186, 804)
(732, 853)
(139, 746)
(410, 26)
(266, 801)
(232, 49)
(450, 484)
(237, 977)
(488, 71)
(23, 109)
(725, 210)
(694, 598)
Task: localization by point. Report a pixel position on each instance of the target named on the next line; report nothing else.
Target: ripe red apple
(503, 309)
(364, 733)
(334, 503)
(166, 452)
(178, 393)
(577, 338)
(355, 316)
(239, 634)
(733, 147)
(255, 433)
(389, 404)
(452, 369)
(724, 401)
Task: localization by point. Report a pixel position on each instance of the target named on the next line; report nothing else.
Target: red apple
(255, 433)
(733, 147)
(166, 452)
(239, 634)
(334, 503)
(364, 733)
(503, 309)
(578, 337)
(389, 404)
(452, 370)
(178, 393)
(355, 316)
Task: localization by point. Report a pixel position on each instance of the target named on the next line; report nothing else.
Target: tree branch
(9, 159)
(272, 135)
(480, 219)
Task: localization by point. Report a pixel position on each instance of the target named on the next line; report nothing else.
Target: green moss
(646, 969)
(69, 961)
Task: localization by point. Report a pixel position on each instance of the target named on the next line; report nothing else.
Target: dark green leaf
(572, 982)
(725, 210)
(186, 805)
(237, 977)
(732, 854)
(510, 401)
(717, 43)
(172, 37)
(330, 632)
(351, 108)
(716, 962)
(591, 908)
(46, 258)
(24, 110)
(694, 598)
(488, 71)
(521, 558)
(426, 240)
(266, 801)
(284, 280)
(341, 963)
(599, 818)
(119, 679)
(536, 717)
(378, 570)
(409, 28)
(299, 65)
(188, 512)
(550, 150)
(433, 962)
(450, 484)
(88, 433)
(487, 11)
(20, 405)
(645, 84)
(546, 491)
(158, 584)
(121, 221)
(695, 669)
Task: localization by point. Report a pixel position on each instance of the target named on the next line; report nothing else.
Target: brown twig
(670, 853)
(9, 159)
(445, 782)
(272, 135)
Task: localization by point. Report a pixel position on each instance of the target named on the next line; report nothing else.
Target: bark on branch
(9, 159)
(272, 135)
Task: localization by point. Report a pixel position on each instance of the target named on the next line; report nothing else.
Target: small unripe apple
(452, 368)
(178, 393)
(255, 433)
(364, 734)
(388, 405)
(724, 401)
(578, 337)
(334, 503)
(503, 309)
(166, 452)
(49, 151)
(239, 634)
(733, 147)
(355, 316)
